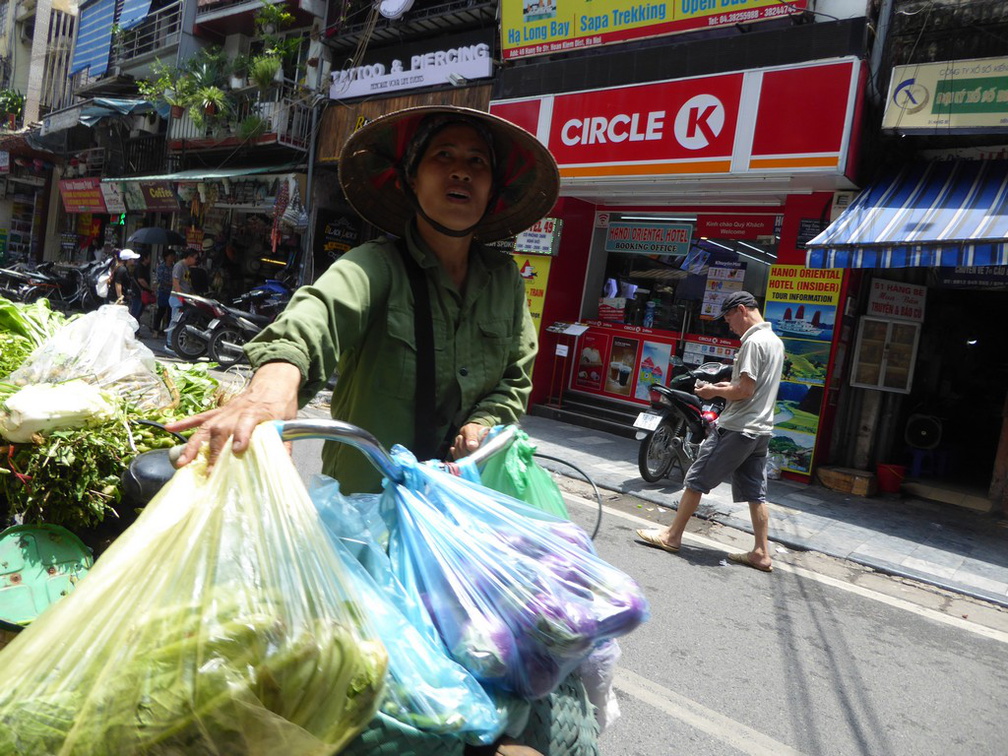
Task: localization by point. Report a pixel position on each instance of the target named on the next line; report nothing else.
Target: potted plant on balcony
(11, 106)
(209, 107)
(168, 85)
(239, 70)
(263, 71)
(252, 127)
(272, 17)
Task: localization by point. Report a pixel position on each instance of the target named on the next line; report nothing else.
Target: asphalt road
(820, 657)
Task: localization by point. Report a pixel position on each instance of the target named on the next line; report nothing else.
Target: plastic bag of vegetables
(425, 688)
(516, 473)
(519, 597)
(220, 622)
(99, 348)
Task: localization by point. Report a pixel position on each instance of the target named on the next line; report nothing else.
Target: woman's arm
(271, 395)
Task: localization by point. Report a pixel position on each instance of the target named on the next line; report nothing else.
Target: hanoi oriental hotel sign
(543, 27)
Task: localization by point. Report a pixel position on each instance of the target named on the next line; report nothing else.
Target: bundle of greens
(23, 328)
(220, 622)
(71, 477)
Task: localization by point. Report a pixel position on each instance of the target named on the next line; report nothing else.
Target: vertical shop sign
(723, 278)
(534, 271)
(801, 305)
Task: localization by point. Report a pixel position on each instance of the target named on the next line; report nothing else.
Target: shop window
(677, 292)
(885, 355)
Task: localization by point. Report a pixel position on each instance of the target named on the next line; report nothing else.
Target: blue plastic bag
(425, 689)
(519, 596)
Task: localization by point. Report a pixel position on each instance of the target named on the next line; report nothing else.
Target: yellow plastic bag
(218, 623)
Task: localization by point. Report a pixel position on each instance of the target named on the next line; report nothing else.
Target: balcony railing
(160, 29)
(146, 154)
(86, 163)
(285, 120)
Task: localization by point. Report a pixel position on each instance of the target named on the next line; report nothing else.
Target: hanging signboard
(727, 124)
(648, 238)
(801, 306)
(953, 96)
(724, 277)
(82, 195)
(113, 196)
(544, 27)
(434, 62)
(896, 300)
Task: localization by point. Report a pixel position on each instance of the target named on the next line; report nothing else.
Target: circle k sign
(685, 118)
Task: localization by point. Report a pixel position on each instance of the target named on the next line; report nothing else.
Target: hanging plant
(272, 17)
(263, 71)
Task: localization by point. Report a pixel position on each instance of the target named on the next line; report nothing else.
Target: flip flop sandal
(746, 560)
(652, 538)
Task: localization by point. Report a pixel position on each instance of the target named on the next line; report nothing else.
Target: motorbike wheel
(183, 343)
(657, 455)
(226, 347)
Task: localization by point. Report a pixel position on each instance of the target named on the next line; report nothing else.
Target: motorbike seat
(683, 397)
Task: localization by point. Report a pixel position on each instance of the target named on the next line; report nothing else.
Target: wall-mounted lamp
(456, 79)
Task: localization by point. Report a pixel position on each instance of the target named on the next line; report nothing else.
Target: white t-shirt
(761, 357)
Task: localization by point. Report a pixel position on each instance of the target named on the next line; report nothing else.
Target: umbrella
(156, 235)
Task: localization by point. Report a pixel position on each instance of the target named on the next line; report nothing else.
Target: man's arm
(733, 391)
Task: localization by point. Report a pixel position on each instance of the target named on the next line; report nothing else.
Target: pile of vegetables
(220, 623)
(62, 450)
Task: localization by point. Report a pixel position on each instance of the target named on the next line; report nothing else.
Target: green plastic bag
(516, 473)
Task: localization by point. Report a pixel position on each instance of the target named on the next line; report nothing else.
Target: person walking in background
(124, 284)
(738, 447)
(163, 281)
(181, 281)
(142, 276)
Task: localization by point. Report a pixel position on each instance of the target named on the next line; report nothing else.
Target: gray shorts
(726, 452)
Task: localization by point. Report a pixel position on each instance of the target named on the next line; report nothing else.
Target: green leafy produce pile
(72, 477)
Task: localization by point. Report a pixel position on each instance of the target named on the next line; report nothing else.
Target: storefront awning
(948, 213)
(210, 174)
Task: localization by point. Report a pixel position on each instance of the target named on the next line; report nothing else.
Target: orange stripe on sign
(647, 169)
(797, 162)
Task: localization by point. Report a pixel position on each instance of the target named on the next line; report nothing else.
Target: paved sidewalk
(939, 544)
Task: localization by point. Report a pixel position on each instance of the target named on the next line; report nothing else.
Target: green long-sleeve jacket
(357, 320)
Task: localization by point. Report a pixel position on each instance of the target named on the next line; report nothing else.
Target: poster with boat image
(801, 305)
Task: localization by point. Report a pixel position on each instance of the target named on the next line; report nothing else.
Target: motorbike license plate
(647, 421)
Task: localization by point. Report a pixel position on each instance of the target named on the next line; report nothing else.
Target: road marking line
(737, 735)
(897, 603)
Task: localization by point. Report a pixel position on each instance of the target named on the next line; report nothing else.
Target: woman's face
(454, 177)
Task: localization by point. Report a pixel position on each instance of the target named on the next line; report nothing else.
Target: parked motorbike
(207, 326)
(67, 287)
(678, 421)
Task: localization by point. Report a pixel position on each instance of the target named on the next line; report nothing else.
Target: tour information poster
(801, 306)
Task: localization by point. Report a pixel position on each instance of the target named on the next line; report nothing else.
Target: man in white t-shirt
(739, 445)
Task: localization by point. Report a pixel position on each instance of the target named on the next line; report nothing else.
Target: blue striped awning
(133, 13)
(946, 213)
(94, 37)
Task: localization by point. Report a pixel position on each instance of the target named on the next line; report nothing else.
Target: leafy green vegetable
(36, 321)
(72, 477)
